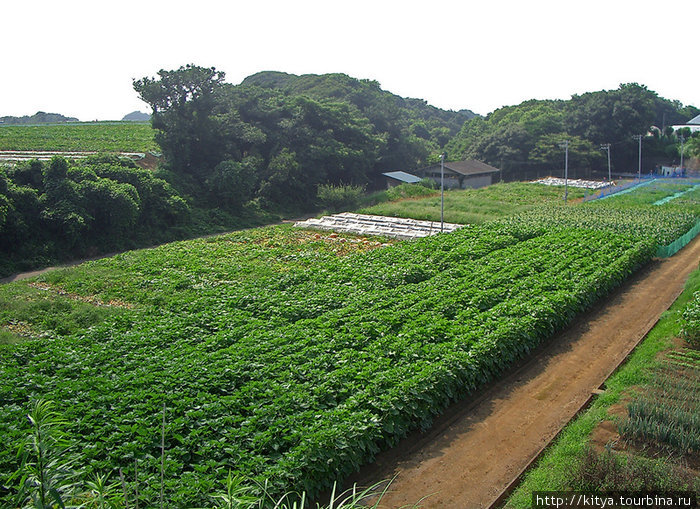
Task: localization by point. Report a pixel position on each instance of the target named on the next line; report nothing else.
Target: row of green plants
(301, 376)
(276, 357)
(80, 137)
(649, 193)
(663, 224)
(667, 413)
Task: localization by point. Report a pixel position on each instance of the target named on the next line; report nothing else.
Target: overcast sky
(79, 58)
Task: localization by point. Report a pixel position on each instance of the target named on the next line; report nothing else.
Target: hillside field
(294, 357)
(80, 137)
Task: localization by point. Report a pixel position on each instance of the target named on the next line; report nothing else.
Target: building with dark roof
(461, 174)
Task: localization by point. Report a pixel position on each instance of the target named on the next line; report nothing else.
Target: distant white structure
(584, 184)
(384, 226)
(693, 124)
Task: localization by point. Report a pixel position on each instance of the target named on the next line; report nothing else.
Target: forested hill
(39, 117)
(414, 131)
(365, 95)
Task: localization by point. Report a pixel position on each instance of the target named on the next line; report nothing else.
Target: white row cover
(364, 224)
(584, 184)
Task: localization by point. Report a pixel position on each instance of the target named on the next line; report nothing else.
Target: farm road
(478, 447)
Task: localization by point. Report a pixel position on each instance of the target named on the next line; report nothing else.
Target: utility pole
(606, 147)
(639, 137)
(682, 141)
(442, 192)
(565, 146)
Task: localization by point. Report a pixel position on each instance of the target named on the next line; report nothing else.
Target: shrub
(691, 321)
(339, 198)
(410, 191)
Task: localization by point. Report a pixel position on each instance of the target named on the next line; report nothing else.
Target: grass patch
(28, 312)
(474, 206)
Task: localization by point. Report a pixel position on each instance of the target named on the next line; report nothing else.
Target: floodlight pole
(639, 137)
(565, 146)
(442, 192)
(606, 147)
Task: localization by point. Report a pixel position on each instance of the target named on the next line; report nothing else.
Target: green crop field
(289, 357)
(475, 206)
(79, 137)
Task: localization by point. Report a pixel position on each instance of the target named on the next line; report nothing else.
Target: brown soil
(478, 447)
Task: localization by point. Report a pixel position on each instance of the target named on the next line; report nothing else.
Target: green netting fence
(679, 243)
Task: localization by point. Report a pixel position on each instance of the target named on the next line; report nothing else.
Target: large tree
(184, 104)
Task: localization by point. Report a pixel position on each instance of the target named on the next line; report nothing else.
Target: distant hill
(39, 117)
(378, 105)
(136, 116)
(341, 86)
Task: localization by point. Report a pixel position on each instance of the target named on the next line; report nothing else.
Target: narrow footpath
(478, 447)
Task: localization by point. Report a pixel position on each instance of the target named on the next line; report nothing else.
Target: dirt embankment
(478, 447)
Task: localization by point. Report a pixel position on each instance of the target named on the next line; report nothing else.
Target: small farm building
(395, 178)
(461, 174)
(693, 124)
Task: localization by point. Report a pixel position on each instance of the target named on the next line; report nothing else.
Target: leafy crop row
(663, 224)
(299, 372)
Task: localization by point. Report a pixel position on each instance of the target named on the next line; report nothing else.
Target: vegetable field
(79, 137)
(286, 356)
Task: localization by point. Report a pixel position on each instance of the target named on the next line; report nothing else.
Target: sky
(79, 58)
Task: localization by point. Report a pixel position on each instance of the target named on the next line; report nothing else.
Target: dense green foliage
(293, 133)
(85, 137)
(524, 140)
(411, 127)
(58, 209)
(632, 213)
(339, 198)
(278, 358)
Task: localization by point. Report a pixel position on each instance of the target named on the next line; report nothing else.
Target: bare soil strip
(478, 447)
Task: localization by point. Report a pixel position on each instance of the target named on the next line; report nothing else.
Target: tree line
(525, 141)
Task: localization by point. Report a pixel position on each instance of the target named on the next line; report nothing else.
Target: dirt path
(477, 448)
